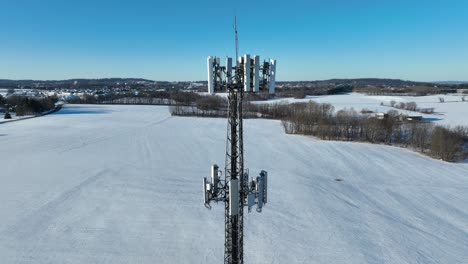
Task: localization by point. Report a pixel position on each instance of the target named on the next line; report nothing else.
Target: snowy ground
(453, 112)
(122, 184)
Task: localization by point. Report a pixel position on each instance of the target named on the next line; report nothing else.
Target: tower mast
(234, 168)
(235, 190)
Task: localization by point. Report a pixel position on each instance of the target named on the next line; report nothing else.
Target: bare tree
(446, 144)
(411, 106)
(420, 135)
(401, 105)
(10, 91)
(210, 102)
(393, 113)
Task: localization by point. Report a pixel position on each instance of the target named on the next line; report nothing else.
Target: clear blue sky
(170, 40)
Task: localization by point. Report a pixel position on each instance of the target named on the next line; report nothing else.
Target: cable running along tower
(235, 190)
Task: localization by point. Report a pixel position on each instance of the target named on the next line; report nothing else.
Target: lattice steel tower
(235, 190)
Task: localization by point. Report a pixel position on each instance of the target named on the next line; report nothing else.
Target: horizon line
(311, 80)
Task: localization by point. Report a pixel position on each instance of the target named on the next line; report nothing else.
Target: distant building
(414, 118)
(366, 111)
(448, 91)
(428, 110)
(381, 115)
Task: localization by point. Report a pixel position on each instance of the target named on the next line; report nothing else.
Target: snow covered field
(123, 184)
(453, 112)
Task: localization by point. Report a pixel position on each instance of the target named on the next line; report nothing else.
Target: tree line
(147, 97)
(22, 105)
(320, 120)
(303, 91)
(204, 106)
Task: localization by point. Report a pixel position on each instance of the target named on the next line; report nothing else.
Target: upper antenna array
(256, 76)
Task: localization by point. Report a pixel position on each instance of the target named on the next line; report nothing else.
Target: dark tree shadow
(432, 119)
(82, 111)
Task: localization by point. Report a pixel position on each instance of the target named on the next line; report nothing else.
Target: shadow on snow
(82, 111)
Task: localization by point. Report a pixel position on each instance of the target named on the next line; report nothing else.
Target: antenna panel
(234, 197)
(205, 191)
(228, 70)
(256, 68)
(214, 178)
(265, 185)
(271, 89)
(260, 188)
(247, 80)
(250, 200)
(211, 76)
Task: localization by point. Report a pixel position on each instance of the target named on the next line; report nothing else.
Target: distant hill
(451, 82)
(359, 82)
(104, 81)
(139, 82)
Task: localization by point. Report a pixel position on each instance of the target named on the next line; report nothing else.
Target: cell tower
(235, 190)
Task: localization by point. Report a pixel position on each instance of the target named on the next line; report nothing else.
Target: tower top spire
(237, 40)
